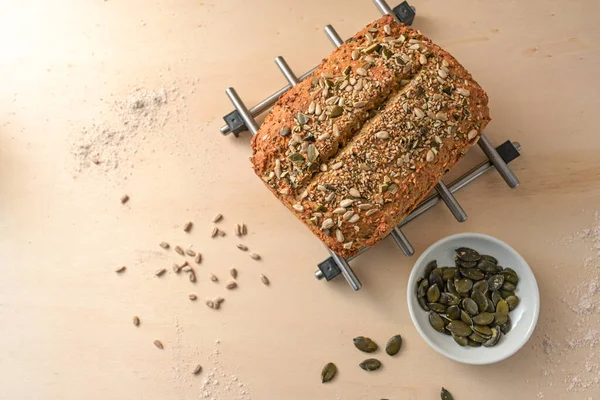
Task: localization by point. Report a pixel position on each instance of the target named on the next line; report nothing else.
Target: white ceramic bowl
(524, 317)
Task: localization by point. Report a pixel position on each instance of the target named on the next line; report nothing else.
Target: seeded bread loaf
(356, 146)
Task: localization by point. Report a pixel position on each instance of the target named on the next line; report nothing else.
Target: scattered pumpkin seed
(445, 395)
(231, 285)
(393, 345)
(365, 344)
(328, 372)
(265, 280)
(370, 364)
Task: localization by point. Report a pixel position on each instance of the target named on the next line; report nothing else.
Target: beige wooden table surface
(69, 71)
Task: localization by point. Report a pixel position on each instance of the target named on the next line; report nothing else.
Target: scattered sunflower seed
(164, 245)
(213, 278)
(242, 247)
(237, 230)
(214, 232)
(120, 269)
(254, 256)
(187, 226)
(179, 250)
(176, 268)
(124, 199)
(198, 258)
(197, 370)
(190, 252)
(233, 273)
(265, 280)
(231, 285)
(210, 303)
(192, 276)
(159, 344)
(192, 297)
(217, 218)
(160, 272)
(136, 320)
(244, 229)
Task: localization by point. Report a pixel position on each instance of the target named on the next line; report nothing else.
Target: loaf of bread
(355, 147)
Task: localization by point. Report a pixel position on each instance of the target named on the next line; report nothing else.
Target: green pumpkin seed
(285, 131)
(336, 111)
(485, 318)
(301, 118)
(371, 364)
(422, 289)
(466, 318)
(496, 297)
(502, 307)
(393, 345)
(506, 327)
(494, 339)
(489, 259)
(483, 330)
(461, 340)
(423, 303)
(508, 287)
(472, 273)
(510, 276)
(449, 273)
(472, 343)
(433, 294)
(480, 299)
(470, 306)
(446, 395)
(500, 318)
(312, 153)
(467, 254)
(431, 265)
(365, 344)
(481, 286)
(436, 321)
(506, 293)
(491, 308)
(476, 337)
(465, 264)
(438, 307)
(453, 312)
(487, 266)
(450, 286)
(435, 278)
(459, 328)
(449, 299)
(512, 301)
(496, 282)
(328, 372)
(463, 285)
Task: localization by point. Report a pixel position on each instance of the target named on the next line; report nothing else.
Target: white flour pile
(108, 146)
(563, 353)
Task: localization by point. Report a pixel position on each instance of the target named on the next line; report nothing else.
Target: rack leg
(503, 169)
(449, 199)
(346, 270)
(243, 110)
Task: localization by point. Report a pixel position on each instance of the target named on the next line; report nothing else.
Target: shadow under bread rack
(242, 119)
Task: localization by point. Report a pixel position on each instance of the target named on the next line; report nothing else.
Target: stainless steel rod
(383, 7)
(286, 71)
(503, 169)
(241, 107)
(346, 270)
(447, 197)
(333, 36)
(402, 241)
(269, 101)
(454, 186)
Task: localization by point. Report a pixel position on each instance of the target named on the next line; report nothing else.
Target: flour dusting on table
(562, 354)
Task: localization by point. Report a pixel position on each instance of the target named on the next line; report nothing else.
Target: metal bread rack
(242, 119)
